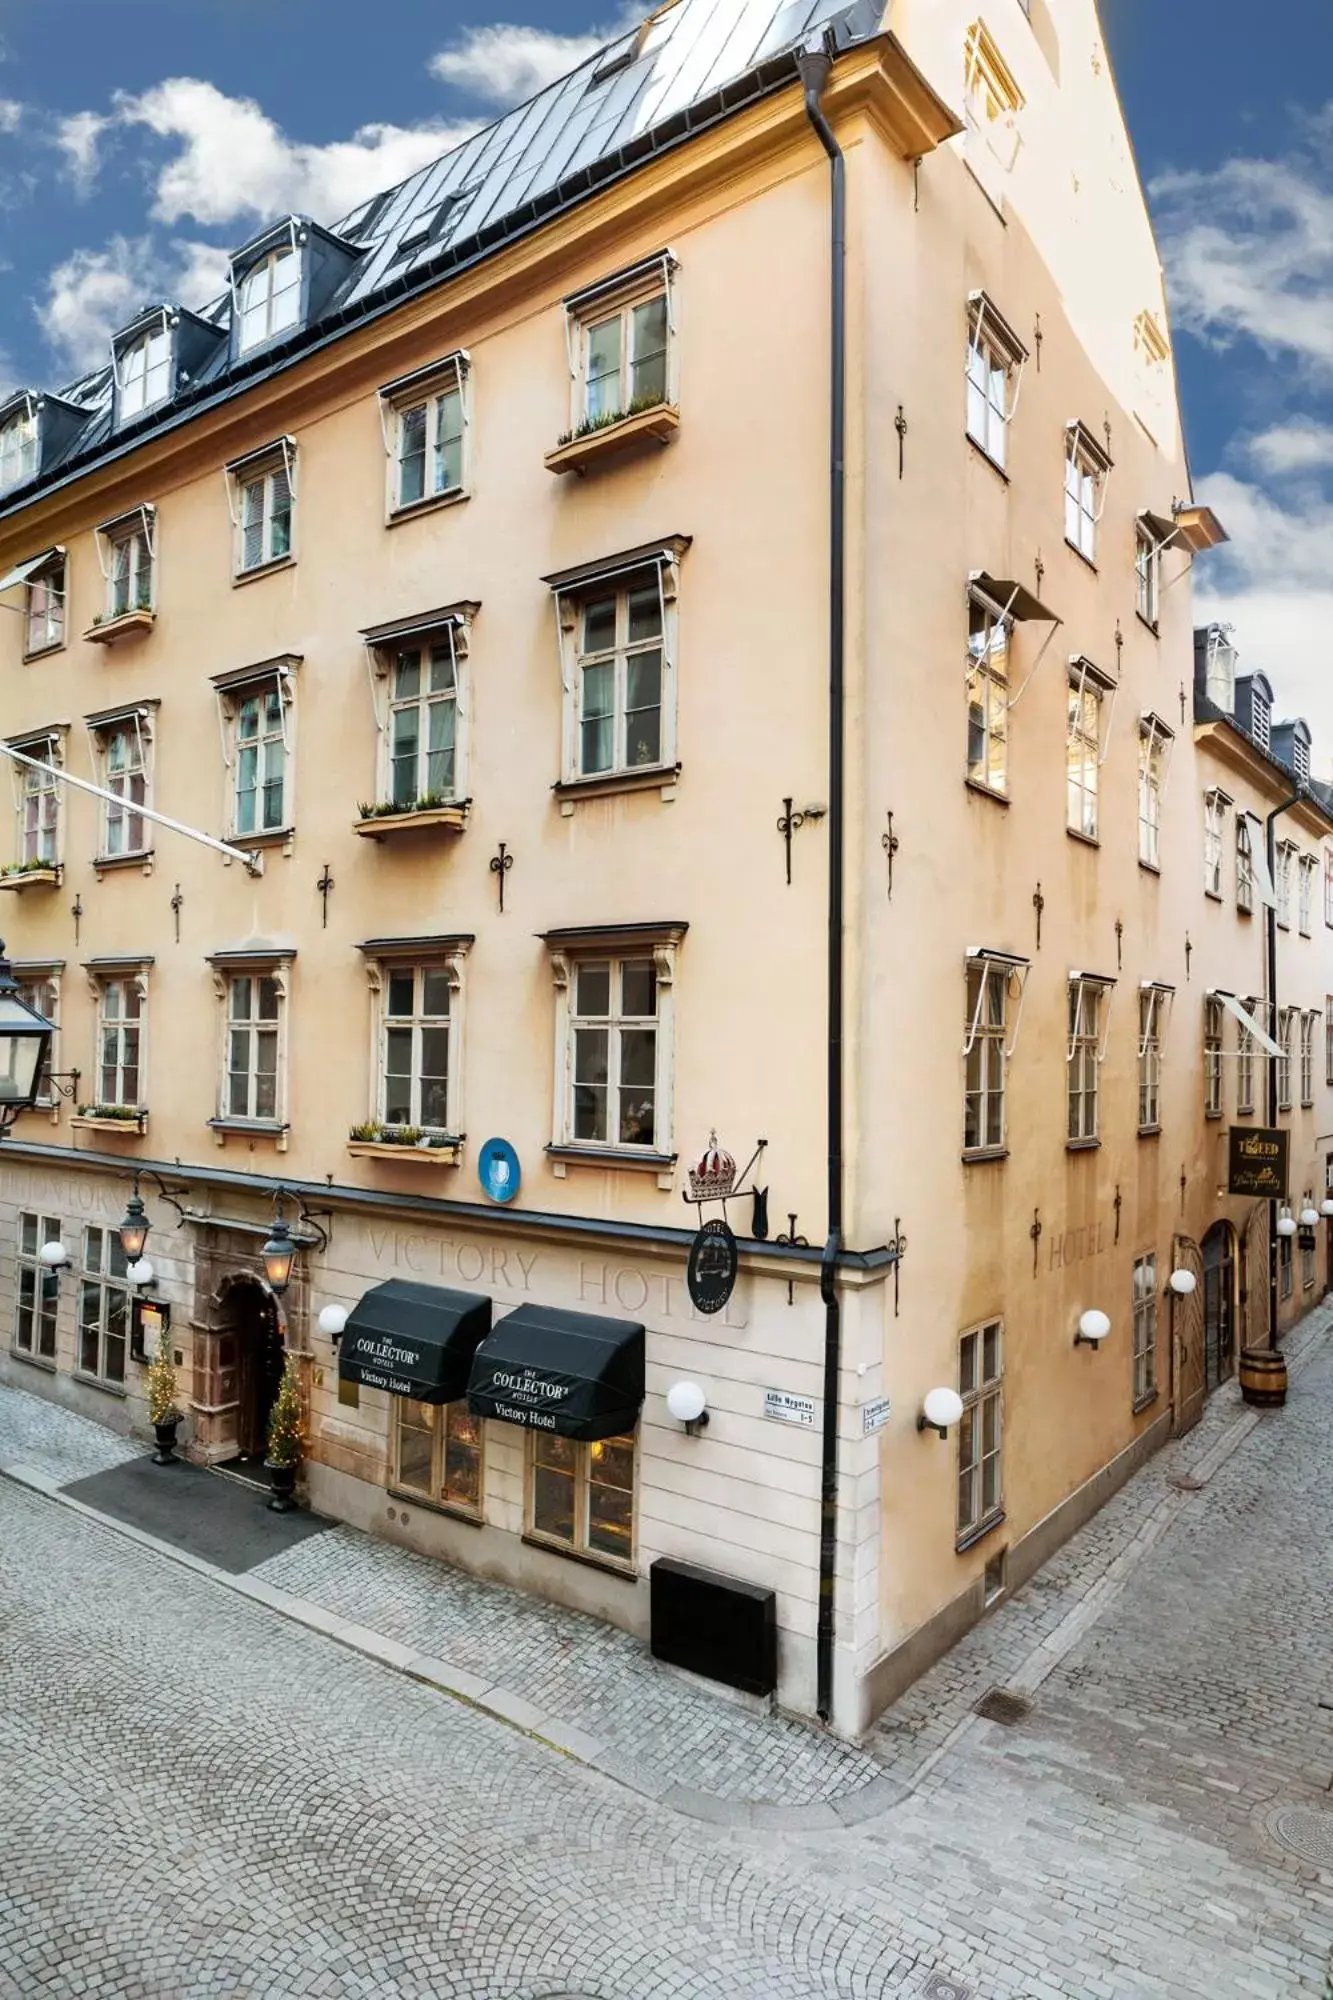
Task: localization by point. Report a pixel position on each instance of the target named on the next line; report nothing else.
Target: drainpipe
(814, 64)
(1270, 945)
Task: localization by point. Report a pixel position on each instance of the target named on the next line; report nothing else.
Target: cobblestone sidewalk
(595, 1692)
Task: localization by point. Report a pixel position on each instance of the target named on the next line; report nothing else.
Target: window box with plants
(130, 1121)
(110, 626)
(648, 420)
(431, 812)
(32, 875)
(408, 1144)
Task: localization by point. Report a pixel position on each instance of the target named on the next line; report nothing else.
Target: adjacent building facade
(468, 565)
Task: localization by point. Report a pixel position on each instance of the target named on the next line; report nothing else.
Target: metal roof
(688, 66)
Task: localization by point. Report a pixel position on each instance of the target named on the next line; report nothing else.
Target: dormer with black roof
(1254, 708)
(36, 429)
(1291, 746)
(283, 280)
(160, 352)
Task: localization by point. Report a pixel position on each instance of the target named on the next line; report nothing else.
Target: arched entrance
(1219, 1305)
(250, 1361)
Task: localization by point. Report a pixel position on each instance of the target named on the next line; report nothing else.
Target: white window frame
(127, 984)
(988, 696)
(1307, 1028)
(270, 295)
(225, 974)
(1305, 894)
(1154, 1007)
(143, 370)
(616, 948)
(1147, 574)
(39, 804)
(1307, 1247)
(46, 608)
(1328, 887)
(40, 1308)
(127, 555)
(135, 726)
(1089, 1030)
(442, 393)
(1216, 805)
(1087, 471)
(1285, 854)
(1156, 741)
(1144, 1320)
(584, 1457)
(418, 955)
(1284, 1039)
(620, 578)
(233, 693)
(1328, 1041)
(1244, 863)
(1220, 669)
(618, 297)
(1214, 1050)
(1284, 1267)
(1245, 1051)
(1084, 751)
(983, 1402)
(994, 372)
(99, 1284)
(38, 983)
(988, 1046)
(451, 628)
(271, 475)
(19, 448)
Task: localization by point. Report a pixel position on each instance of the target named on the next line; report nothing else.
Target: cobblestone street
(200, 1797)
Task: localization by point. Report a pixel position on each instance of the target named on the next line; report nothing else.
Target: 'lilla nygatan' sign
(1257, 1162)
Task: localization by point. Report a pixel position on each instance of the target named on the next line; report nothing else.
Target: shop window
(438, 1454)
(582, 1495)
(104, 1308)
(37, 1293)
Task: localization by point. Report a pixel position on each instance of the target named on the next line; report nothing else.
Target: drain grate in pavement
(943, 1986)
(1003, 1705)
(1304, 1832)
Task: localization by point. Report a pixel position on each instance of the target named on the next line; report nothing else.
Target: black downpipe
(1270, 944)
(814, 67)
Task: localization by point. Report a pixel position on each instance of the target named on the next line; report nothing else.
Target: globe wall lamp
(53, 1257)
(142, 1275)
(1286, 1223)
(1326, 1207)
(1309, 1217)
(333, 1322)
(1093, 1328)
(688, 1404)
(941, 1410)
(1182, 1283)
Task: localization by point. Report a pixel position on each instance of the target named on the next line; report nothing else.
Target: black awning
(572, 1373)
(414, 1340)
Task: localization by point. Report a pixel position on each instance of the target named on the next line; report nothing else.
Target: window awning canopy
(575, 1374)
(414, 1340)
(1011, 599)
(24, 571)
(1248, 1022)
(1200, 529)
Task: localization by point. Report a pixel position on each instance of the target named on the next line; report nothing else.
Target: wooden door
(1187, 1340)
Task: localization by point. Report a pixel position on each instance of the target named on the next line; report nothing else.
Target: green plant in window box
(364, 1134)
(118, 1114)
(163, 1414)
(28, 868)
(395, 809)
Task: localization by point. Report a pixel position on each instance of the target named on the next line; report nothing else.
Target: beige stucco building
(468, 565)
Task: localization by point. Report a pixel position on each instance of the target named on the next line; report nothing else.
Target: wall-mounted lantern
(941, 1410)
(688, 1404)
(1093, 1328)
(1182, 1283)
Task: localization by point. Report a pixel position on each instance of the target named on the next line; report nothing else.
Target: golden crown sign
(715, 1176)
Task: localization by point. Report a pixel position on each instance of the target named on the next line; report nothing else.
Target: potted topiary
(162, 1412)
(285, 1440)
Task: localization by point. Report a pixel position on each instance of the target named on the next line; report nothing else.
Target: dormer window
(269, 297)
(143, 371)
(1261, 717)
(1220, 670)
(1300, 759)
(18, 448)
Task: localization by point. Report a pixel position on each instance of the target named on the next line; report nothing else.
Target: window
(1328, 1039)
(1308, 1241)
(44, 611)
(438, 1453)
(39, 803)
(1147, 573)
(129, 564)
(1083, 754)
(104, 1307)
(980, 1372)
(1261, 713)
(1244, 863)
(1212, 1057)
(1089, 1008)
(423, 724)
(255, 1008)
(37, 1296)
(1086, 469)
(1307, 1022)
(414, 1056)
(430, 448)
(1305, 893)
(1215, 807)
(1285, 856)
(1245, 1069)
(582, 1495)
(1220, 669)
(987, 697)
(614, 1030)
(143, 373)
(1300, 756)
(18, 450)
(1285, 1033)
(1145, 1330)
(986, 1048)
(256, 706)
(1284, 1272)
(625, 360)
(269, 297)
(39, 988)
(1154, 741)
(122, 1009)
(1153, 1002)
(265, 533)
(995, 358)
(620, 681)
(123, 746)
(992, 102)
(1328, 886)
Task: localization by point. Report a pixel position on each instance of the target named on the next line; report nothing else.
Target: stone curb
(860, 1806)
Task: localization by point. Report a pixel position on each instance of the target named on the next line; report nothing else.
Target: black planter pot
(166, 1442)
(283, 1480)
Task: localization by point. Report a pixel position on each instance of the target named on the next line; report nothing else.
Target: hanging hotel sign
(714, 1258)
(1257, 1162)
(714, 1265)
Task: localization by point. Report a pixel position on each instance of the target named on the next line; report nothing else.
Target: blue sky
(138, 141)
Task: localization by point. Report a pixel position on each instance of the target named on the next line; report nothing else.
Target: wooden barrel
(1263, 1377)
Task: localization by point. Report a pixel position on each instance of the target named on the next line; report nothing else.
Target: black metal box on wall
(713, 1625)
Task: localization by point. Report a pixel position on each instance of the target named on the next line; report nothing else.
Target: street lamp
(279, 1254)
(25, 1048)
(134, 1228)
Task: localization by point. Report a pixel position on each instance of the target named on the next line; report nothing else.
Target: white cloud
(232, 159)
(505, 63)
(1248, 248)
(79, 139)
(95, 292)
(1292, 448)
(11, 114)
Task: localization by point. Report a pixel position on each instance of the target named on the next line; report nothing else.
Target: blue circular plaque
(498, 1170)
